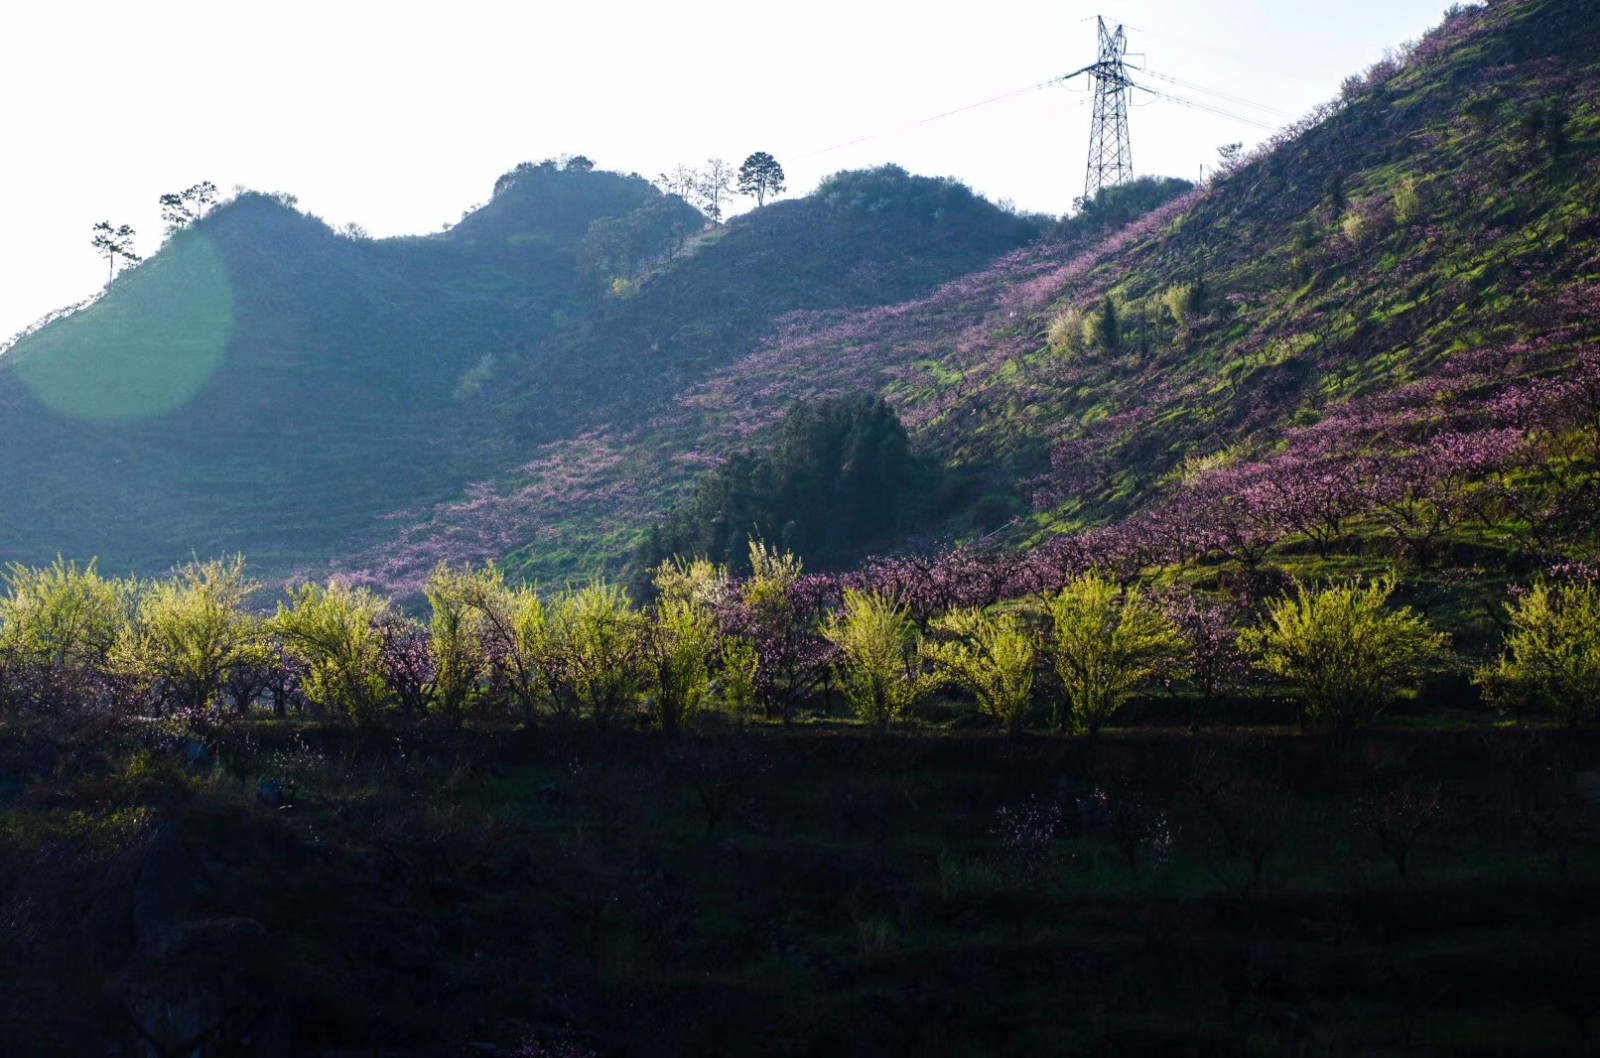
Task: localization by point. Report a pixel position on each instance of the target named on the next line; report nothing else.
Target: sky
(400, 115)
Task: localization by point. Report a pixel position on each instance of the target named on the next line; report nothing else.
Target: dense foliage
(1552, 657)
(840, 477)
(1115, 207)
(878, 651)
(1105, 641)
(774, 640)
(989, 656)
(1342, 652)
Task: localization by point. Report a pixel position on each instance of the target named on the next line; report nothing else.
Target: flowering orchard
(777, 644)
(1356, 335)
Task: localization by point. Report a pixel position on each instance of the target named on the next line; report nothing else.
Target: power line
(924, 121)
(1209, 108)
(1253, 60)
(1110, 149)
(1239, 100)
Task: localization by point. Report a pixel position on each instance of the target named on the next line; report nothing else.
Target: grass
(430, 888)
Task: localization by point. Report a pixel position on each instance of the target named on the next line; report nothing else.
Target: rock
(146, 892)
(1587, 786)
(200, 989)
(192, 987)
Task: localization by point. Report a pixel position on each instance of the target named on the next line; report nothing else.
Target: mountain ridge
(340, 379)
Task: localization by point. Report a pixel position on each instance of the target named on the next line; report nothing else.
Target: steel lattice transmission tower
(1110, 148)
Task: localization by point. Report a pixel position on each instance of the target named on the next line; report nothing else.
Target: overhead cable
(927, 120)
(1238, 100)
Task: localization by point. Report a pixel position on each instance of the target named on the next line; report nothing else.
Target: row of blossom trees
(765, 644)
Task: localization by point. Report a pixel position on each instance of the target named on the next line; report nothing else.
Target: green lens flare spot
(147, 347)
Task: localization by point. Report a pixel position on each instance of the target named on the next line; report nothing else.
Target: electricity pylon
(1110, 148)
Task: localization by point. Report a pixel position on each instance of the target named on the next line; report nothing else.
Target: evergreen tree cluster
(839, 477)
(1113, 207)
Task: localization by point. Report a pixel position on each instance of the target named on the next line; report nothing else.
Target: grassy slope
(1306, 305)
(604, 399)
(860, 239)
(1310, 302)
(1301, 313)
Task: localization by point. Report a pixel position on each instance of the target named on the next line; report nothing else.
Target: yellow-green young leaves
(878, 666)
(333, 631)
(989, 656)
(1064, 336)
(682, 644)
(1105, 644)
(526, 638)
(191, 631)
(740, 666)
(677, 661)
(1181, 301)
(696, 580)
(61, 616)
(1552, 656)
(604, 641)
(772, 574)
(457, 628)
(1343, 651)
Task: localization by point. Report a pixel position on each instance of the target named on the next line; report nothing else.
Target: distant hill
(266, 385)
(862, 238)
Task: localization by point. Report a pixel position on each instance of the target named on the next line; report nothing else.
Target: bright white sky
(400, 115)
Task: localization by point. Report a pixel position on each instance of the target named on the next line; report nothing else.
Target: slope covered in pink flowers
(1387, 310)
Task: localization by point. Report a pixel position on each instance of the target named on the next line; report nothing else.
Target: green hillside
(1432, 211)
(1445, 205)
(542, 381)
(862, 238)
(265, 385)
